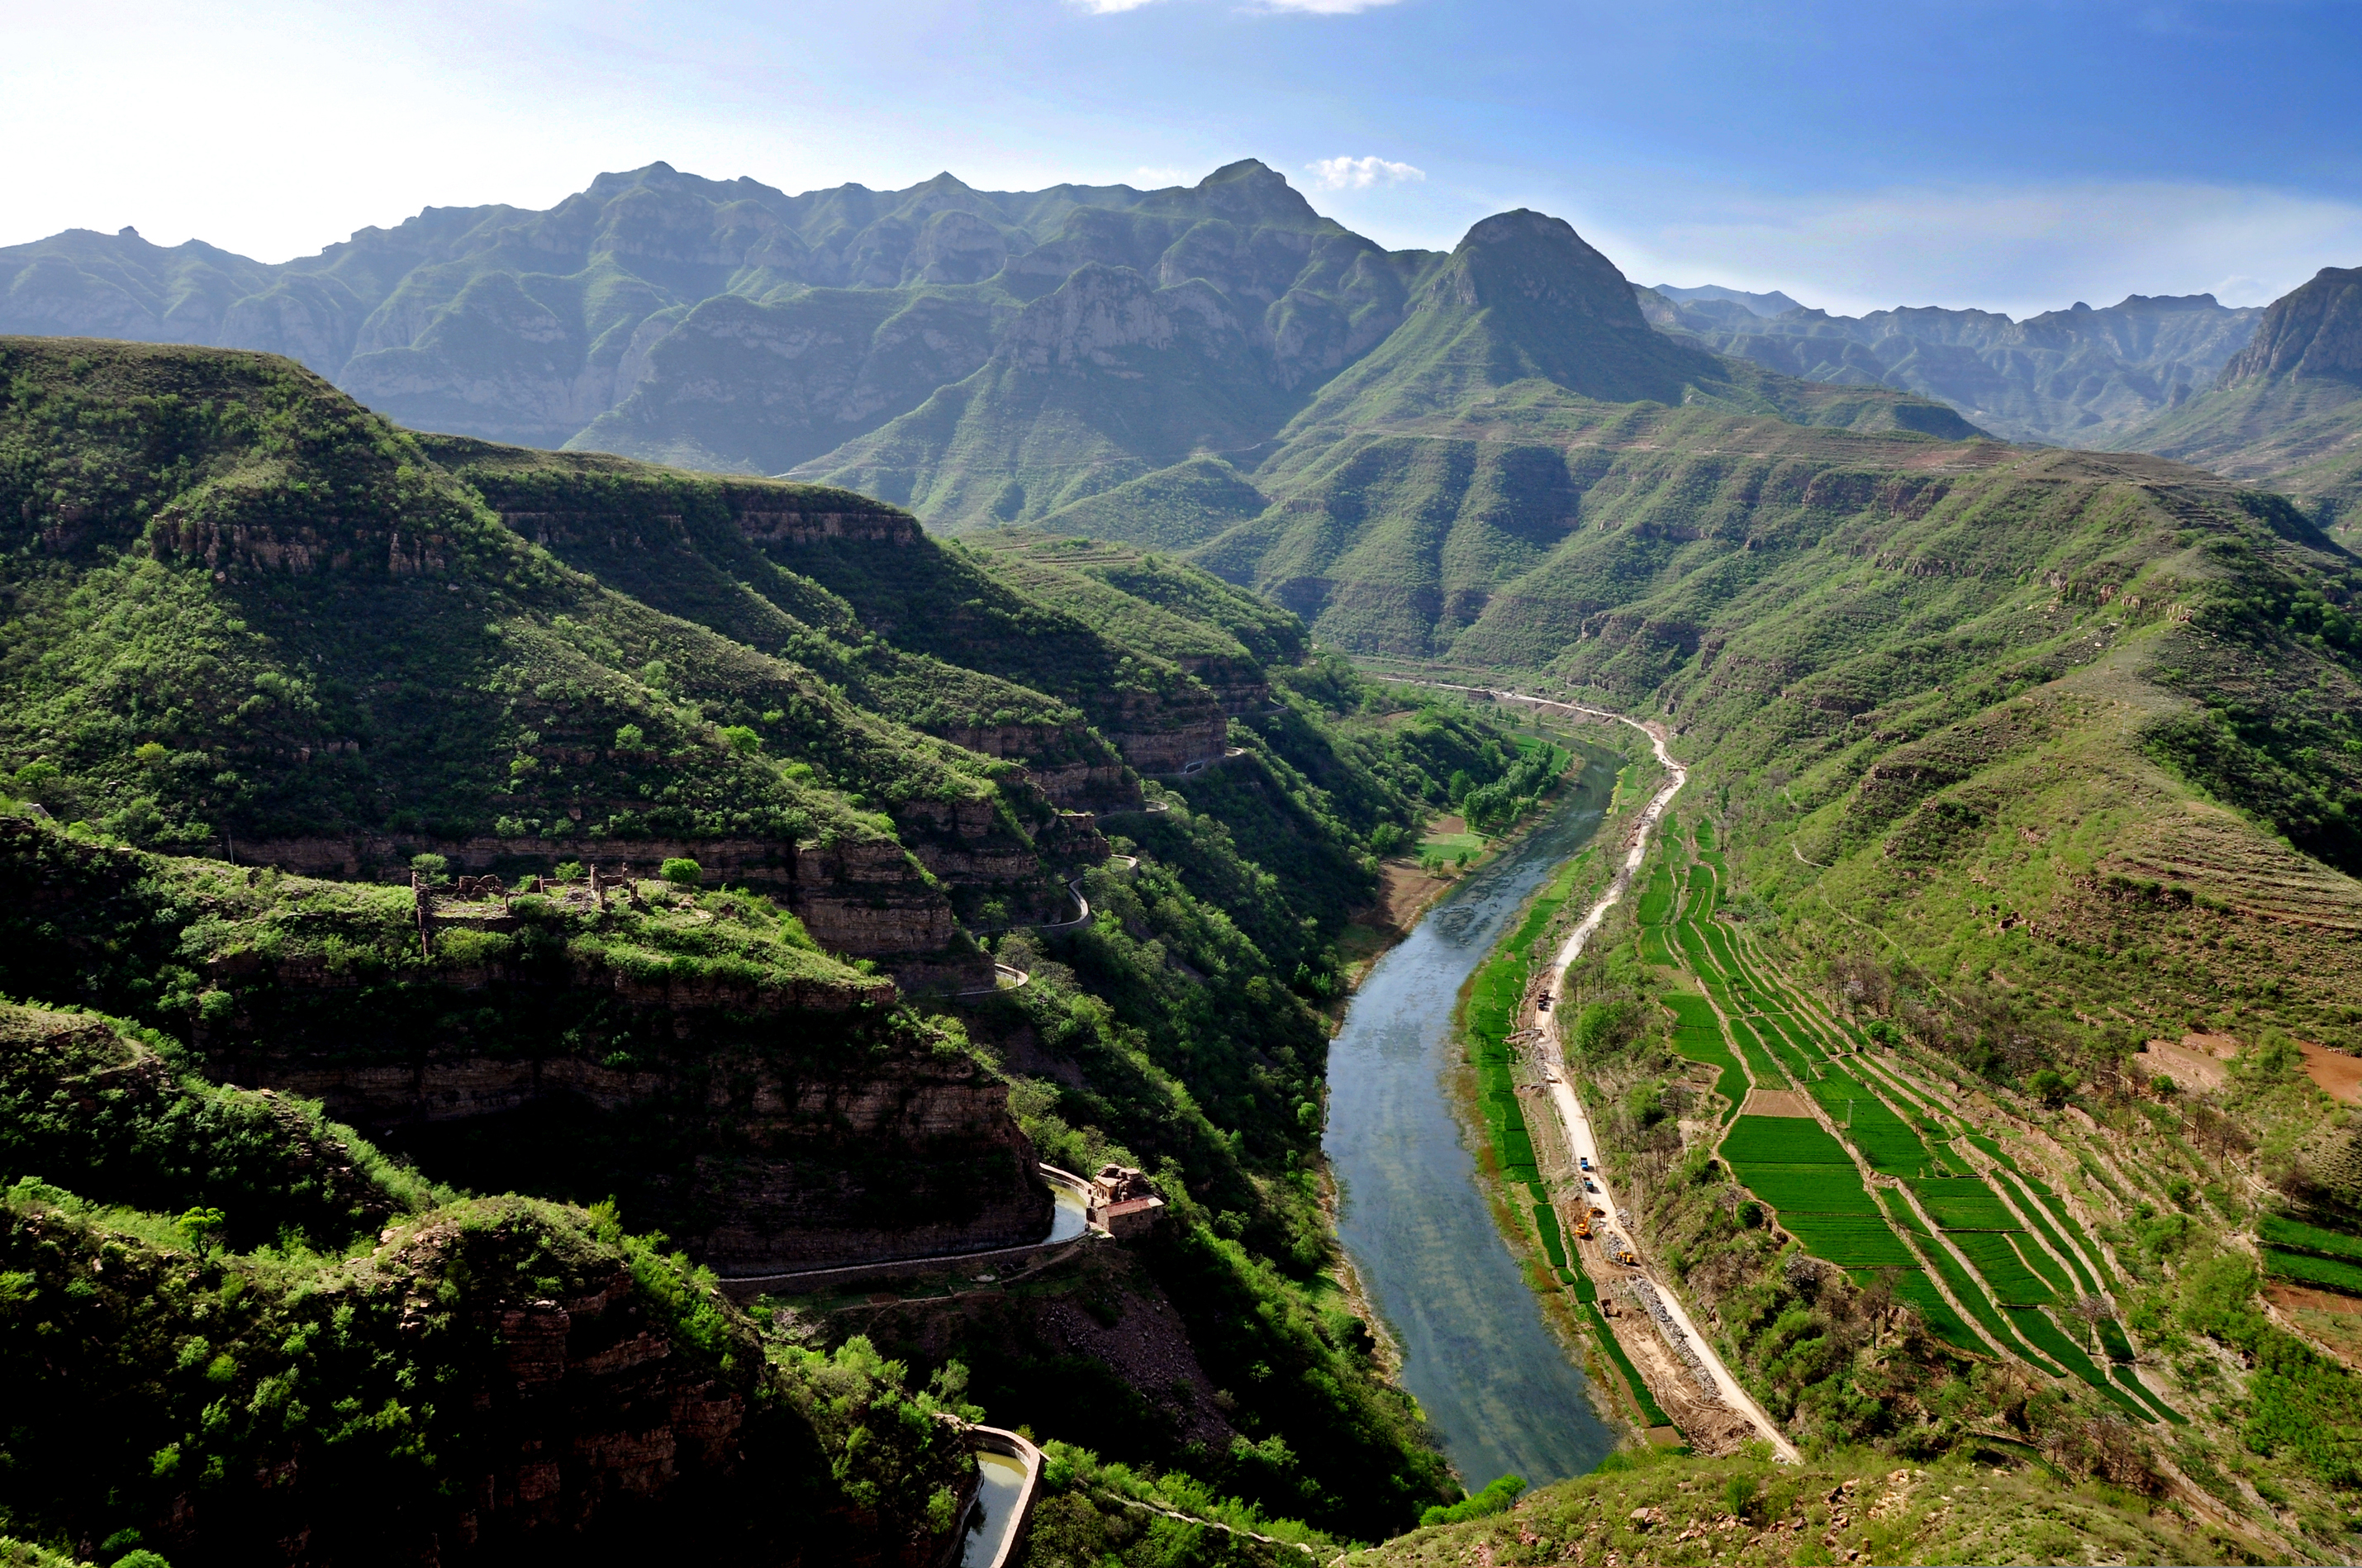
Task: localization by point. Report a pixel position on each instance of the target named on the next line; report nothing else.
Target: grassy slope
(2302, 439)
(220, 560)
(1949, 1513)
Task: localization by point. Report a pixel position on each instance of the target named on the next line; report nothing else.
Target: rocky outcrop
(866, 899)
(2315, 332)
(1094, 776)
(911, 1155)
(1237, 684)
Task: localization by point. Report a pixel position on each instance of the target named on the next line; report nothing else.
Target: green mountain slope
(2287, 411)
(364, 1362)
(340, 663)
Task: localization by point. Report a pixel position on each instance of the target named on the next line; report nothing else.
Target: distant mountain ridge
(2070, 377)
(722, 324)
(2287, 410)
(1774, 303)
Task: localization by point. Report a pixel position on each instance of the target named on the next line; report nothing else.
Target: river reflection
(1493, 1378)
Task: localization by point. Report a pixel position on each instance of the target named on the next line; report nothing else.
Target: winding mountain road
(1583, 1144)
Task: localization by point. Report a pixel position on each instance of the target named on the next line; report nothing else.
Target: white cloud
(1360, 173)
(1109, 7)
(1150, 177)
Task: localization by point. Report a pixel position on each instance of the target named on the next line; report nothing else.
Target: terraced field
(1978, 1276)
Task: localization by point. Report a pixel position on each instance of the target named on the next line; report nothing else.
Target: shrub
(1493, 1499)
(431, 868)
(630, 738)
(683, 872)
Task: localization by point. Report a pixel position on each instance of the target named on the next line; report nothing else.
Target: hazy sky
(2012, 156)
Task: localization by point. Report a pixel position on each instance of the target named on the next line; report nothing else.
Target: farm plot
(1782, 1140)
(1797, 1191)
(1849, 1240)
(2040, 1331)
(2041, 1218)
(1948, 1267)
(1767, 1072)
(1962, 1203)
(1915, 1290)
(1996, 1257)
(1885, 1139)
(2058, 1209)
(2329, 1274)
(1685, 935)
(1697, 1036)
(1657, 904)
(2140, 1390)
(2295, 1235)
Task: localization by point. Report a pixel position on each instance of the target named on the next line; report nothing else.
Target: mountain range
(991, 793)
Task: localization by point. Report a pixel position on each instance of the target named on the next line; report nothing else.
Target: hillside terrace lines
(1977, 1270)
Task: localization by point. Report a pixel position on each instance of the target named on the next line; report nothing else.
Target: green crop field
(1913, 1288)
(2297, 1236)
(2329, 1274)
(1793, 1189)
(1652, 946)
(1692, 1012)
(1849, 1240)
(1759, 1060)
(1962, 1203)
(2038, 1329)
(2041, 1213)
(1957, 1279)
(2012, 1283)
(1885, 1139)
(2140, 1390)
(1781, 1140)
(1657, 904)
(1698, 1037)
(1546, 1226)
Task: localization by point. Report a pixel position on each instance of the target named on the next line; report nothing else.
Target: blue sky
(2010, 156)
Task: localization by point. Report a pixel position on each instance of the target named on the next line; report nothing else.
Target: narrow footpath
(1582, 1145)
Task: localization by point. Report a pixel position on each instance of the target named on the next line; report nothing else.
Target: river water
(1495, 1382)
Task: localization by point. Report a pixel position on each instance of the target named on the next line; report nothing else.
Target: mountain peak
(2315, 332)
(1251, 190)
(1533, 261)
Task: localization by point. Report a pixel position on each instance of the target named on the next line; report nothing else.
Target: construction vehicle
(1582, 1227)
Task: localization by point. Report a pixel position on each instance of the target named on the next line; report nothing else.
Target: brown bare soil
(2338, 1075)
(2331, 1322)
(1405, 891)
(2191, 1062)
(1775, 1102)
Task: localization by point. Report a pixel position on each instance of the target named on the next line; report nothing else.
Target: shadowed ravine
(1495, 1382)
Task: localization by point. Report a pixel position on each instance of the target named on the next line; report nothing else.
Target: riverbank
(1491, 1377)
(1410, 884)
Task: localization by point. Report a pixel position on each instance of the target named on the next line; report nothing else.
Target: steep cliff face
(693, 1054)
(2314, 333)
(495, 1380)
(2287, 411)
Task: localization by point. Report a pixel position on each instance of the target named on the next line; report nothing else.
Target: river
(1495, 1381)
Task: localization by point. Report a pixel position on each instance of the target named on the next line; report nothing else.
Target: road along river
(1495, 1382)
(1493, 1378)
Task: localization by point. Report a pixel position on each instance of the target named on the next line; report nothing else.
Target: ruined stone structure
(1124, 1203)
